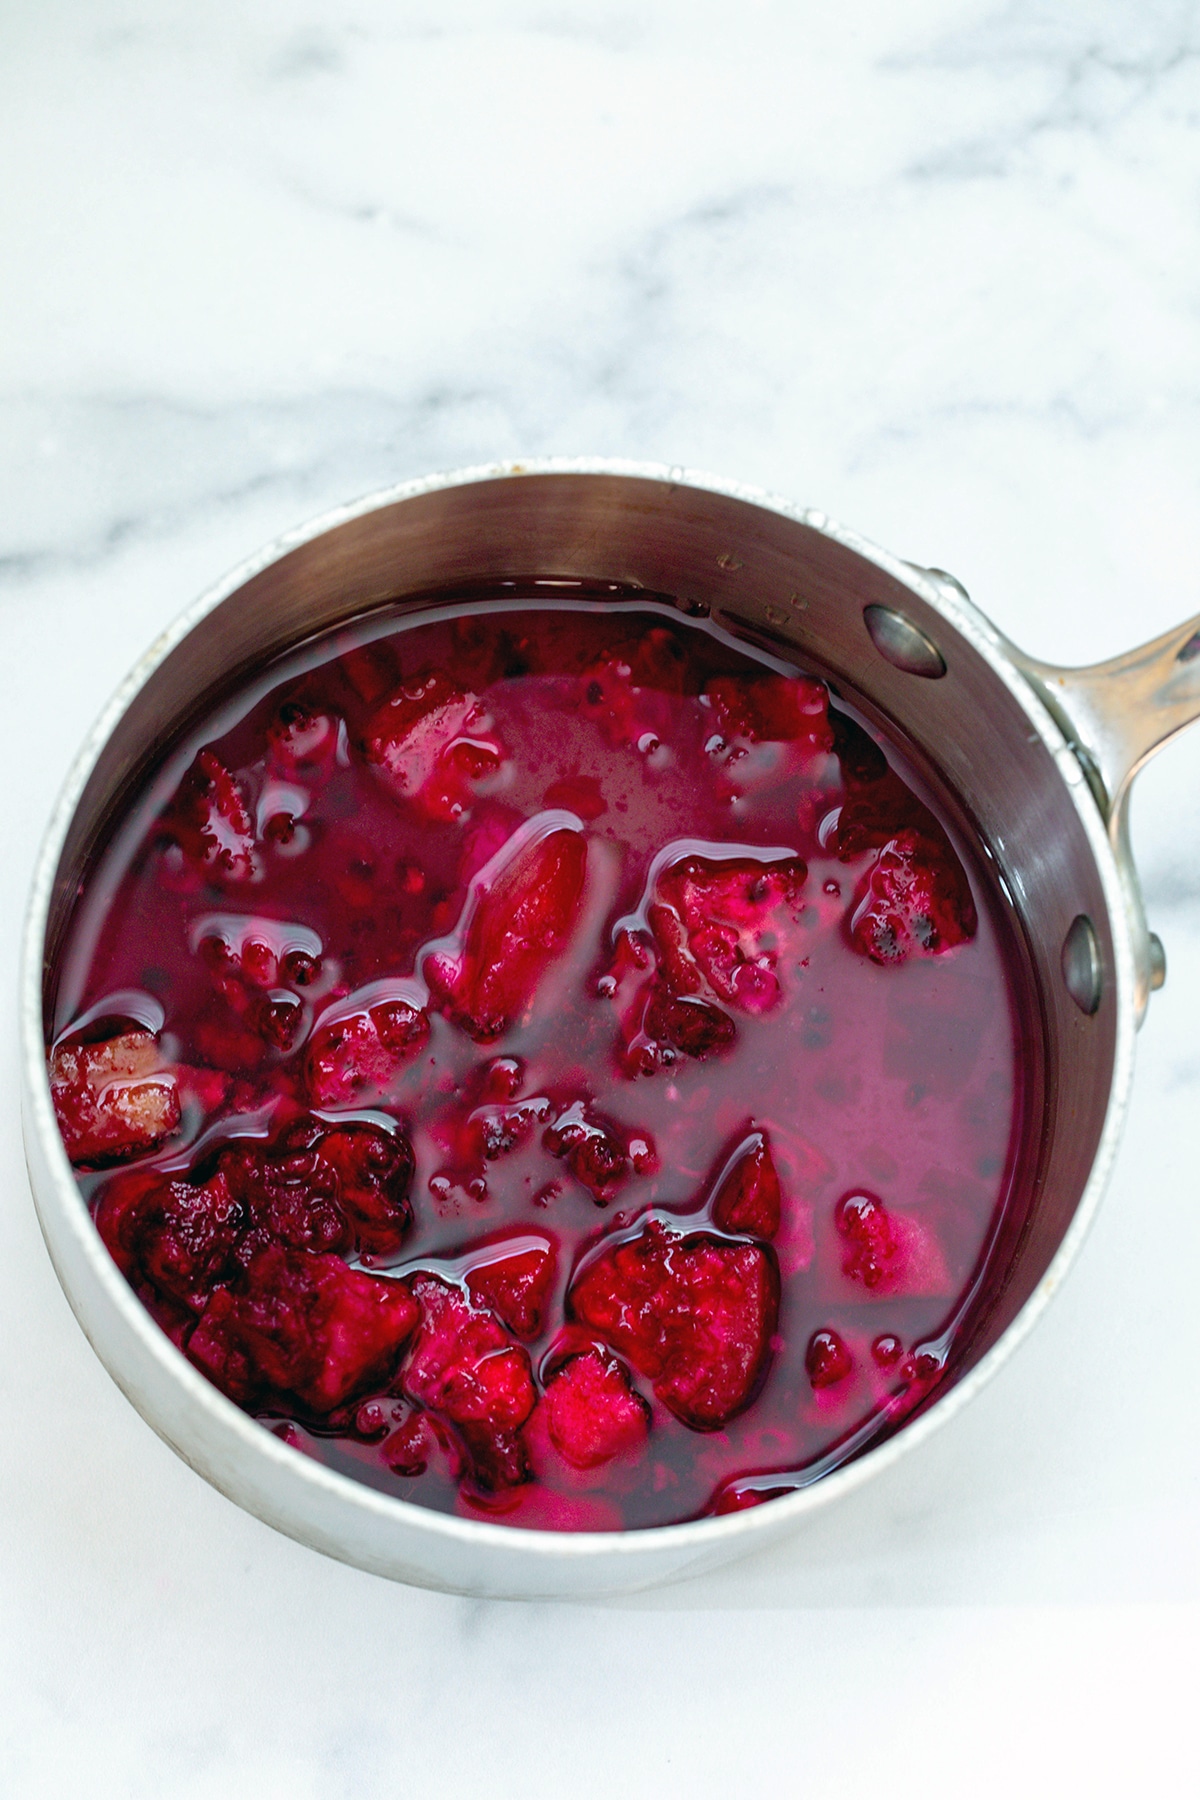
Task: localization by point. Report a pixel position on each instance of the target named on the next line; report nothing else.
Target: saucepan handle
(1117, 714)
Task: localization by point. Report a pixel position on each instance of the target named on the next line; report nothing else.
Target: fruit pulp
(549, 1061)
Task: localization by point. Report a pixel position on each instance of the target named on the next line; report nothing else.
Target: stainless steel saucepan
(1042, 758)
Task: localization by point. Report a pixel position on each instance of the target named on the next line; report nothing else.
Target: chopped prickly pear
(431, 742)
(514, 1277)
(747, 1197)
(592, 1412)
(358, 1055)
(914, 901)
(113, 1099)
(519, 920)
(693, 1313)
(211, 821)
(302, 1326)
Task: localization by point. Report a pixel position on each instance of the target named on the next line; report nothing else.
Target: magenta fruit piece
(520, 923)
(513, 1279)
(748, 1196)
(112, 1099)
(693, 1313)
(827, 1359)
(358, 1055)
(302, 1326)
(592, 1411)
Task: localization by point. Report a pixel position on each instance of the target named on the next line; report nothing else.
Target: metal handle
(1116, 714)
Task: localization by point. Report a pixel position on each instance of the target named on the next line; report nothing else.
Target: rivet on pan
(1081, 964)
(1158, 962)
(902, 643)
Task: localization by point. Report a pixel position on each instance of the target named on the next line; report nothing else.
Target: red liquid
(559, 897)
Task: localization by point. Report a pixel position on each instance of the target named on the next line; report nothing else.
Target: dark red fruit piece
(211, 821)
(593, 1152)
(872, 1249)
(747, 1196)
(429, 742)
(359, 1054)
(112, 1099)
(407, 1450)
(322, 1188)
(693, 1313)
(187, 1241)
(889, 1252)
(304, 1326)
(517, 922)
(463, 1363)
(672, 1027)
(514, 1279)
(300, 969)
(717, 926)
(771, 708)
(278, 1017)
(497, 1129)
(887, 1350)
(915, 900)
(466, 1367)
(827, 1359)
(499, 1459)
(292, 1197)
(592, 1412)
(178, 1235)
(502, 1078)
(375, 1171)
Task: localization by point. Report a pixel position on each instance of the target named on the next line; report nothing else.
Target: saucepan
(1040, 758)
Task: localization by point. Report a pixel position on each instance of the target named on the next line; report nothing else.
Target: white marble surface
(933, 268)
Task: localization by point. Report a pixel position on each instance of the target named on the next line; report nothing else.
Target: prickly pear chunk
(178, 1235)
(211, 821)
(502, 1126)
(466, 1367)
(514, 1277)
(889, 1252)
(827, 1359)
(623, 690)
(290, 1195)
(358, 1055)
(914, 901)
(431, 742)
(693, 1313)
(718, 925)
(374, 1169)
(663, 1027)
(748, 1197)
(113, 1099)
(518, 921)
(771, 709)
(303, 1326)
(592, 1412)
(596, 1155)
